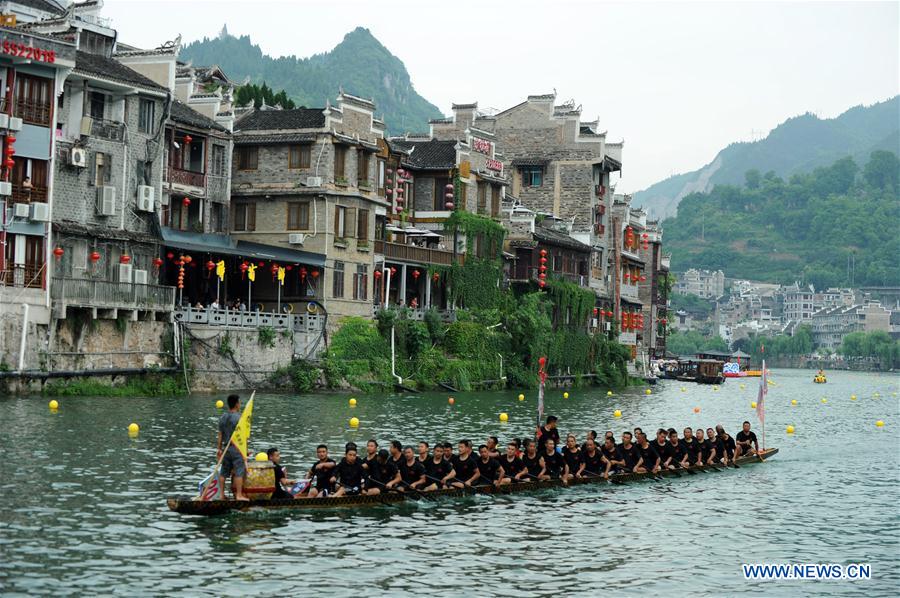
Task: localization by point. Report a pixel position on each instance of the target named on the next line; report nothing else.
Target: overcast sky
(678, 81)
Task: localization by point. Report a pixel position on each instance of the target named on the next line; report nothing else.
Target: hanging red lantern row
(629, 236)
(10, 151)
(624, 322)
(542, 269)
(181, 262)
(58, 253)
(448, 195)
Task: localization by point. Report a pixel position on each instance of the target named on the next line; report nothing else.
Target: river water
(83, 505)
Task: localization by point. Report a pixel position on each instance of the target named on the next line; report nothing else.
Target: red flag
(761, 399)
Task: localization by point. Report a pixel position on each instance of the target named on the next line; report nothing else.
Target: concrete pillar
(427, 291)
(402, 296)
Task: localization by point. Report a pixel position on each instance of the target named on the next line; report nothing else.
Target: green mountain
(797, 145)
(360, 65)
(834, 226)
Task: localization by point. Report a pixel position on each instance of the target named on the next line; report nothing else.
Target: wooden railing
(108, 129)
(411, 253)
(190, 178)
(29, 276)
(22, 194)
(104, 294)
(33, 112)
(525, 272)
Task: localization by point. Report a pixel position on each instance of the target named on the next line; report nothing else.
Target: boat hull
(188, 506)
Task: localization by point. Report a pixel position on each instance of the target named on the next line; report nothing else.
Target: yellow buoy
(790, 429)
(353, 402)
(354, 422)
(53, 404)
(648, 392)
(451, 400)
(617, 413)
(521, 397)
(683, 389)
(879, 424)
(852, 397)
(565, 395)
(793, 401)
(743, 386)
(696, 410)
(753, 404)
(219, 404)
(609, 393)
(824, 400)
(133, 428)
(715, 387)
(262, 457)
(504, 417)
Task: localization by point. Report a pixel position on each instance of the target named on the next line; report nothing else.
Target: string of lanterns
(542, 269)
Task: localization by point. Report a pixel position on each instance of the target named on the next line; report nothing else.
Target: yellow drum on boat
(260, 483)
(820, 380)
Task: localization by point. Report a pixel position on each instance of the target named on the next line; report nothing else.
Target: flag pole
(215, 470)
(542, 378)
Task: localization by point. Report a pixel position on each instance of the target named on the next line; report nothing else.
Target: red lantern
(449, 205)
(416, 274)
(449, 186)
(188, 139)
(187, 259)
(393, 270)
(274, 269)
(10, 138)
(10, 150)
(435, 277)
(10, 162)
(377, 274)
(186, 201)
(543, 253)
(95, 256)
(125, 258)
(170, 255)
(542, 275)
(596, 311)
(315, 274)
(643, 278)
(543, 260)
(157, 262)
(58, 252)
(261, 264)
(210, 265)
(663, 321)
(542, 361)
(289, 267)
(627, 276)
(244, 267)
(542, 284)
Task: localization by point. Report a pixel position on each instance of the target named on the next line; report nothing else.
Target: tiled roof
(553, 237)
(107, 68)
(429, 155)
(184, 114)
(271, 120)
(248, 139)
(530, 162)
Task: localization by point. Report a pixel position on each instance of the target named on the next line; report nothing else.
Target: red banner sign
(28, 52)
(494, 165)
(482, 145)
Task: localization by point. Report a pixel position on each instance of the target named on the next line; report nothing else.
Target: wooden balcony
(28, 276)
(411, 253)
(107, 129)
(22, 194)
(32, 112)
(103, 294)
(233, 318)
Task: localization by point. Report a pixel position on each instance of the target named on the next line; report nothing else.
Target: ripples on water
(84, 509)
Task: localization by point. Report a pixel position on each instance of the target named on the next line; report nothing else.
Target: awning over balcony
(224, 245)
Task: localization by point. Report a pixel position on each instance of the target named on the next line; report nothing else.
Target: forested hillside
(360, 65)
(834, 226)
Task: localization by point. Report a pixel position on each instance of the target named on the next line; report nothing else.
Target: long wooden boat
(189, 506)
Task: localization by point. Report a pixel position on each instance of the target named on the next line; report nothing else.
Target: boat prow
(190, 506)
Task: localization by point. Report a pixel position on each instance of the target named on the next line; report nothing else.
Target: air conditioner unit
(145, 198)
(594, 322)
(313, 181)
(125, 273)
(21, 210)
(4, 120)
(15, 123)
(106, 200)
(140, 276)
(5, 188)
(78, 157)
(87, 123)
(40, 212)
(607, 326)
(296, 238)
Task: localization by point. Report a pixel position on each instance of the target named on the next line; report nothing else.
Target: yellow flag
(251, 272)
(220, 269)
(242, 430)
(281, 275)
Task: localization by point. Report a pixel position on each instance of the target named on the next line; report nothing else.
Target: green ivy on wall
(568, 295)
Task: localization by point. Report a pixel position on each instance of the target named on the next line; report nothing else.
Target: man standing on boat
(548, 432)
(234, 464)
(746, 442)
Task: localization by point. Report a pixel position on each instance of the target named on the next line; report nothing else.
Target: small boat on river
(701, 371)
(191, 506)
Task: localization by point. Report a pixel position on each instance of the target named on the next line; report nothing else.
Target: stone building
(653, 286)
(798, 303)
(703, 283)
(309, 181)
(561, 166)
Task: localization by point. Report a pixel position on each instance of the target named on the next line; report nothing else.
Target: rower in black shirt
(630, 454)
(465, 465)
(396, 450)
(679, 451)
(321, 471)
(412, 472)
(746, 442)
(423, 453)
(707, 448)
(554, 464)
(281, 481)
(548, 432)
(383, 475)
(691, 447)
(349, 474)
(533, 462)
(648, 454)
(572, 455)
(490, 470)
(591, 461)
(371, 454)
(448, 453)
(664, 450)
(592, 435)
(492, 443)
(438, 470)
(513, 467)
(612, 457)
(727, 445)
